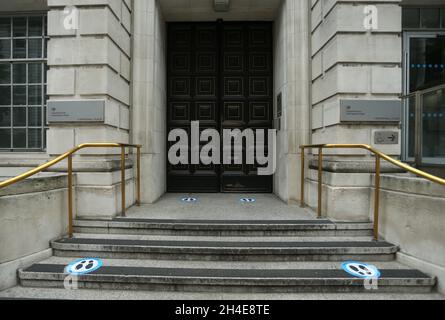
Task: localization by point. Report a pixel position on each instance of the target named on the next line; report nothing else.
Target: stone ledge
(362, 166)
(94, 166)
(411, 185)
(38, 183)
(8, 270)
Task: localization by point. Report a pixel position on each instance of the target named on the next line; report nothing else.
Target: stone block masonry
(91, 60)
(352, 62)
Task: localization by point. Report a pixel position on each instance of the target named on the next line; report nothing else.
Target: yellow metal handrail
(69, 155)
(378, 156)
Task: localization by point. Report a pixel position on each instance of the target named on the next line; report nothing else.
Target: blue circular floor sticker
(189, 199)
(361, 270)
(84, 266)
(247, 200)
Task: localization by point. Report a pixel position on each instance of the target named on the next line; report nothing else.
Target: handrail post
(70, 196)
(320, 180)
(138, 183)
(377, 197)
(123, 179)
(302, 204)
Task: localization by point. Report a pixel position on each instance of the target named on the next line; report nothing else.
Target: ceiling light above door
(221, 5)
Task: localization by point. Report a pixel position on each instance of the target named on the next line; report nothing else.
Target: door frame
(407, 36)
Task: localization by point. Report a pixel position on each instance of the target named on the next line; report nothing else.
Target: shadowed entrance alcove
(289, 61)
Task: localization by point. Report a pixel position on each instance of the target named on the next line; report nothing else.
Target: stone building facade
(115, 54)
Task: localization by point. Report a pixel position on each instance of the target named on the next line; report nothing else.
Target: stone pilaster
(149, 96)
(291, 79)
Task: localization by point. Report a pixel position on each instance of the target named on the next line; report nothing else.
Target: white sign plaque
(76, 111)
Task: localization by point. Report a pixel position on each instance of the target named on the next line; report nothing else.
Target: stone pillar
(351, 62)
(291, 79)
(92, 62)
(149, 96)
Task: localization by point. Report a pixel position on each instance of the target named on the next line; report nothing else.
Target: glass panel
(442, 15)
(19, 72)
(45, 73)
(21, 83)
(5, 27)
(5, 138)
(19, 95)
(35, 95)
(34, 116)
(35, 26)
(411, 126)
(411, 18)
(19, 138)
(35, 73)
(5, 117)
(45, 49)
(19, 49)
(5, 95)
(5, 73)
(19, 117)
(34, 138)
(45, 132)
(430, 18)
(5, 49)
(45, 21)
(434, 124)
(19, 27)
(34, 48)
(427, 63)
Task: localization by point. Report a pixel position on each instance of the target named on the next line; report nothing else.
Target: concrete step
(319, 278)
(223, 227)
(321, 238)
(20, 292)
(225, 250)
(251, 265)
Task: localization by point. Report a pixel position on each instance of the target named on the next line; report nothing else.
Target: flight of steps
(225, 256)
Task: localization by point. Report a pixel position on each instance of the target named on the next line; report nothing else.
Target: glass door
(433, 127)
(424, 58)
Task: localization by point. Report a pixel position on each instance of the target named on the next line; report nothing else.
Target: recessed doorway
(220, 74)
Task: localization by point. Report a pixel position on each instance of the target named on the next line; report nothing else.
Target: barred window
(23, 43)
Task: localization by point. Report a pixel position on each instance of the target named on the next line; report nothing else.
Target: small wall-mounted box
(386, 137)
(387, 141)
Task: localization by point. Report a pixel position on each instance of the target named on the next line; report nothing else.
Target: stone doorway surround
(291, 79)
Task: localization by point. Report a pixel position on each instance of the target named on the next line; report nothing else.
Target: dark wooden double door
(219, 74)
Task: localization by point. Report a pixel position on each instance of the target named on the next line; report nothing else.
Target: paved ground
(221, 207)
(43, 293)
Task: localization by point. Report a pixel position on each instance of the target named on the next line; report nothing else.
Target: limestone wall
(351, 62)
(291, 79)
(149, 96)
(92, 62)
(32, 213)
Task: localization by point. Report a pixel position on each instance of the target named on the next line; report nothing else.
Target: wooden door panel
(219, 74)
